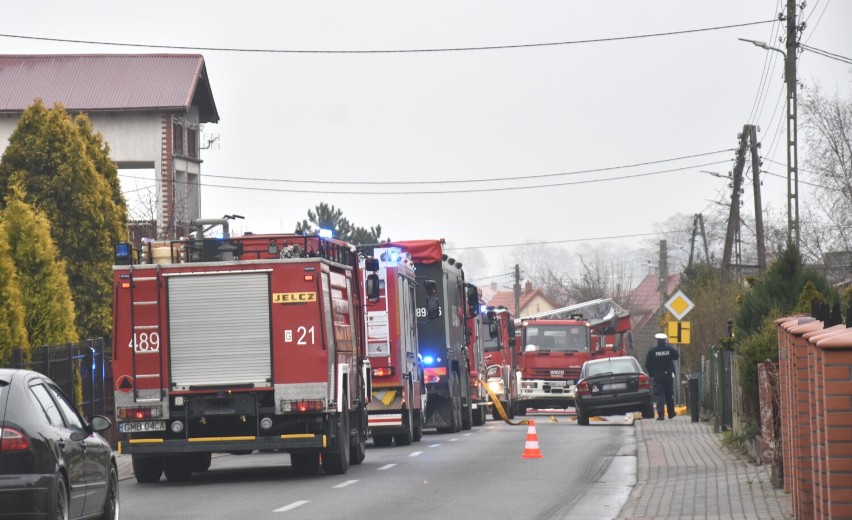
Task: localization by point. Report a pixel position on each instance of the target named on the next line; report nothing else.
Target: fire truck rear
(235, 344)
(442, 340)
(497, 328)
(395, 412)
(555, 344)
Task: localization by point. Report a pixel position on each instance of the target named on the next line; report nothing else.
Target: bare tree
(827, 125)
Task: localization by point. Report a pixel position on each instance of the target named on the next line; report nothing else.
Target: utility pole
(734, 215)
(664, 275)
(792, 130)
(517, 289)
(697, 227)
(758, 205)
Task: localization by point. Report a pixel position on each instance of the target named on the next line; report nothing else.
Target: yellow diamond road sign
(679, 305)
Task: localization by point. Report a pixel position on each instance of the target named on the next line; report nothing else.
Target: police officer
(660, 365)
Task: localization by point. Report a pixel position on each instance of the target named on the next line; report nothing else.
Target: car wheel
(147, 469)
(111, 504)
(58, 505)
(582, 418)
(648, 412)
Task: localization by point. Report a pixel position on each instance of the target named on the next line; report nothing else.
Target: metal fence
(88, 361)
(719, 377)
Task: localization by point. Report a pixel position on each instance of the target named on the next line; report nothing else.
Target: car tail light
(13, 440)
(582, 388)
(644, 382)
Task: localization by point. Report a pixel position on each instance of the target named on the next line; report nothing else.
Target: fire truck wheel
(479, 416)
(457, 404)
(178, 468)
(336, 461)
(147, 469)
(358, 450)
(418, 426)
(200, 462)
(520, 409)
(304, 464)
(404, 438)
(382, 441)
(582, 418)
(510, 409)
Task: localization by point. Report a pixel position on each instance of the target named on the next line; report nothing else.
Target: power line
(457, 181)
(385, 51)
(827, 54)
(419, 193)
(615, 237)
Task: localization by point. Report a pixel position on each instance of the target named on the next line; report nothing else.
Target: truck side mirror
(372, 287)
(472, 301)
(629, 338)
(433, 309)
(431, 287)
(492, 330)
(371, 264)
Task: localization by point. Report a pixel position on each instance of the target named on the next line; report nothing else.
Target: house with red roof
(532, 301)
(150, 108)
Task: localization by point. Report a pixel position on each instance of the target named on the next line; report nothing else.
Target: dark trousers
(664, 393)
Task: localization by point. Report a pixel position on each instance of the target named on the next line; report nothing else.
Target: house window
(177, 133)
(192, 142)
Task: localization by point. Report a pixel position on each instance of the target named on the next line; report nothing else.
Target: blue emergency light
(325, 233)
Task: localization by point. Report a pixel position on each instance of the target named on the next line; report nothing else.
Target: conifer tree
(45, 294)
(13, 334)
(57, 167)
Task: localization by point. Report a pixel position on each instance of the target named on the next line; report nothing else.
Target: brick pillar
(785, 397)
(819, 470)
(803, 484)
(837, 387)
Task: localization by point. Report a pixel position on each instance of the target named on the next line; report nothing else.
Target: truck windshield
(558, 338)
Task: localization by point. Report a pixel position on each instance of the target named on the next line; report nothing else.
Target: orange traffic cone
(531, 450)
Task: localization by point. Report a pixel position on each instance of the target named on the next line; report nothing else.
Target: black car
(53, 463)
(612, 386)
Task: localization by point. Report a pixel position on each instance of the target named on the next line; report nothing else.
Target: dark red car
(53, 463)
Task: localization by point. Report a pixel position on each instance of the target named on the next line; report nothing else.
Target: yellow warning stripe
(304, 436)
(146, 441)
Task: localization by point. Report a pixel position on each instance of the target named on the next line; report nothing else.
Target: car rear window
(616, 366)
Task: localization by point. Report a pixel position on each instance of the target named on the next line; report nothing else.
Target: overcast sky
(471, 115)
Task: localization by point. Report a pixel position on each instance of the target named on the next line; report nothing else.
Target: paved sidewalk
(685, 472)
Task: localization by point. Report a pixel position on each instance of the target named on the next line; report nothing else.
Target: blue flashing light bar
(428, 360)
(325, 233)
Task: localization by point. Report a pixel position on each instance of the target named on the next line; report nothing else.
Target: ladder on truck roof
(142, 339)
(596, 311)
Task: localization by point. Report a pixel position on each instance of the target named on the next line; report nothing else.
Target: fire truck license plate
(147, 426)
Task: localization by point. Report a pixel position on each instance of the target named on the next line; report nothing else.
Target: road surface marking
(294, 505)
(466, 434)
(344, 484)
(415, 454)
(386, 466)
(453, 440)
(434, 445)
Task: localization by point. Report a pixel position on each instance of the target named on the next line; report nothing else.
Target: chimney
(528, 286)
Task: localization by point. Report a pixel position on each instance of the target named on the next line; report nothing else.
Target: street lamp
(792, 155)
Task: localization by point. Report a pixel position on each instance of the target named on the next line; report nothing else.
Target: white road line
(344, 484)
(415, 454)
(434, 445)
(294, 505)
(386, 466)
(466, 434)
(453, 440)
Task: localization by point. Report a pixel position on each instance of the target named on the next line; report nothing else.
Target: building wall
(142, 139)
(536, 305)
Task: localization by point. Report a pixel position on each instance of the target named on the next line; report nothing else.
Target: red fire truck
(498, 340)
(478, 368)
(234, 344)
(395, 411)
(442, 340)
(555, 344)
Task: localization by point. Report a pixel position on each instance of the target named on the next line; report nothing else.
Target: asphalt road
(584, 472)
